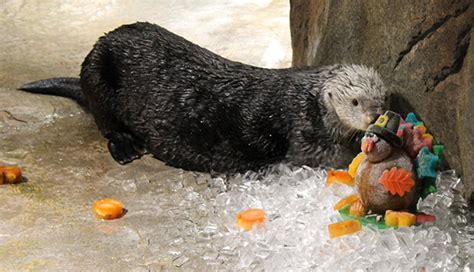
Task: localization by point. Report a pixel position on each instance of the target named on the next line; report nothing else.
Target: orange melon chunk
(250, 217)
(10, 174)
(343, 228)
(108, 209)
(339, 176)
(346, 201)
(355, 164)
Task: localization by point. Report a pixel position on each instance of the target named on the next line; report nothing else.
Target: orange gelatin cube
(250, 217)
(346, 201)
(10, 174)
(343, 228)
(355, 164)
(108, 209)
(422, 128)
(339, 176)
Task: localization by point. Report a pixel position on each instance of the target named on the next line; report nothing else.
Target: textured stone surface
(419, 47)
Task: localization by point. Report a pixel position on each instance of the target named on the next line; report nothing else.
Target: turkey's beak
(367, 146)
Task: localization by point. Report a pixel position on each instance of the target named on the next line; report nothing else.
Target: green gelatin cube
(438, 149)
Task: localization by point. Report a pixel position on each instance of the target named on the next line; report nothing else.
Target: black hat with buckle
(386, 127)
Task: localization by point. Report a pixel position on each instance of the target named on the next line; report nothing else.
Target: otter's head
(356, 95)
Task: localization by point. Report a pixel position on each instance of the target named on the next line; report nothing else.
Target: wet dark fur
(150, 90)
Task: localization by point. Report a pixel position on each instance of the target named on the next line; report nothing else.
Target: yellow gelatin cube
(406, 219)
(400, 219)
(339, 176)
(427, 135)
(346, 201)
(355, 164)
(391, 218)
(343, 228)
(422, 127)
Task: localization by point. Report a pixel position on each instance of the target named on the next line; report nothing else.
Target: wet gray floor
(46, 223)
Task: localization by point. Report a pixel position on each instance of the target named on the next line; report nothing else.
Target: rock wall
(423, 49)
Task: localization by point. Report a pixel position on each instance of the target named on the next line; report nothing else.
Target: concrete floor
(46, 223)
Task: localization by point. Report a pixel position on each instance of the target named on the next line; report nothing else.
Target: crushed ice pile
(295, 237)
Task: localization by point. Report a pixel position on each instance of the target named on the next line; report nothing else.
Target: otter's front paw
(124, 148)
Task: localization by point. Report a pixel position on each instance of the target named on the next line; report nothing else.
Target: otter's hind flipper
(124, 148)
(62, 86)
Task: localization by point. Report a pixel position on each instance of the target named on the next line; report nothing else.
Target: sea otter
(151, 91)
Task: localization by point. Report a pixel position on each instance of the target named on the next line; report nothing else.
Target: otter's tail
(61, 86)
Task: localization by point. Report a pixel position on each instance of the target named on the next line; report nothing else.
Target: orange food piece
(339, 176)
(357, 208)
(343, 228)
(346, 201)
(400, 219)
(10, 174)
(422, 128)
(423, 218)
(108, 209)
(427, 135)
(355, 164)
(250, 217)
(397, 181)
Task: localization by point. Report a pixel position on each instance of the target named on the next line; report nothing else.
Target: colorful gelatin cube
(406, 219)
(400, 219)
(426, 164)
(250, 217)
(343, 228)
(423, 218)
(422, 128)
(413, 141)
(427, 135)
(355, 164)
(438, 149)
(340, 177)
(411, 118)
(429, 187)
(346, 201)
(428, 143)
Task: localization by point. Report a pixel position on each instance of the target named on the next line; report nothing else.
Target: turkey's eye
(355, 102)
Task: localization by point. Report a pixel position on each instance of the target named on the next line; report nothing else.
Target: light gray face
(357, 95)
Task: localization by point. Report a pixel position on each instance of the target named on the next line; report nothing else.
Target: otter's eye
(330, 95)
(355, 102)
